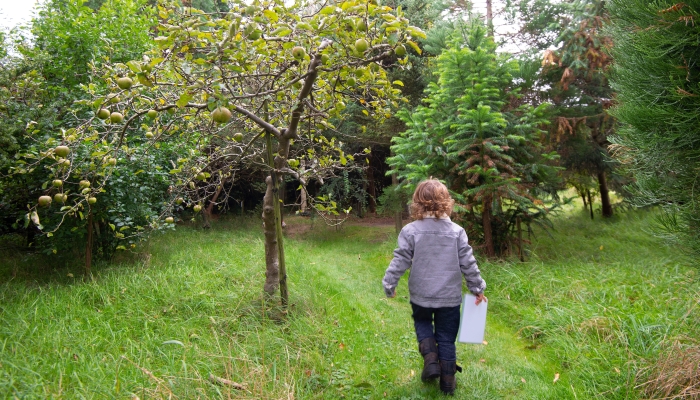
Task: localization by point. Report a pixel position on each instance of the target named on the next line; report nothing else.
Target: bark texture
(488, 232)
(272, 270)
(398, 219)
(604, 195)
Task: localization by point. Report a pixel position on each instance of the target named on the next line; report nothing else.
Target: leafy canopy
(217, 83)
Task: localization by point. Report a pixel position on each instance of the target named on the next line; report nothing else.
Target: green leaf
(134, 66)
(416, 32)
(414, 46)
(283, 32)
(184, 99)
(143, 79)
(271, 15)
(327, 10)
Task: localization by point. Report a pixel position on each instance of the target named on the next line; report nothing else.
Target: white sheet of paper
(473, 322)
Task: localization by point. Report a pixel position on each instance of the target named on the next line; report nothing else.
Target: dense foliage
(220, 94)
(40, 87)
(567, 38)
(656, 77)
(474, 132)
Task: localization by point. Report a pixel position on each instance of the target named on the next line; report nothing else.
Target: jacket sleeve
(467, 263)
(403, 257)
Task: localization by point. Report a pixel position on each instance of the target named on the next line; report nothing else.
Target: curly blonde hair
(431, 198)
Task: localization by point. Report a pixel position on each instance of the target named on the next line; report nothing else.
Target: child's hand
(479, 298)
(390, 293)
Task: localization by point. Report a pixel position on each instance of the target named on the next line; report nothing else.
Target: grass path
(192, 312)
(374, 347)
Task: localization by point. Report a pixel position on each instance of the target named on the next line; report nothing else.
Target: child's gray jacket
(437, 251)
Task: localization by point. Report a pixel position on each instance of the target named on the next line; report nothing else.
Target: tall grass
(600, 298)
(187, 319)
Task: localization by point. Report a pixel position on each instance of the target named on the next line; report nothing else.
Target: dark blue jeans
(440, 323)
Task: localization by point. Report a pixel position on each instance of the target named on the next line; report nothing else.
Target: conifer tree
(472, 132)
(574, 79)
(657, 77)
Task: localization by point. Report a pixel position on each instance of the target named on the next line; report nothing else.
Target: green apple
(116, 117)
(361, 45)
(62, 151)
(298, 52)
(221, 115)
(60, 198)
(400, 50)
(103, 113)
(45, 201)
(124, 83)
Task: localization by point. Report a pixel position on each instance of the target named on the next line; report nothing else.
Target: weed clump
(674, 375)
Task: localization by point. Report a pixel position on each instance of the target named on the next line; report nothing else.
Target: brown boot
(448, 381)
(431, 366)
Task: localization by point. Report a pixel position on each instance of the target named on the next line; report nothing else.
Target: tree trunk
(88, 246)
(521, 253)
(371, 187)
(276, 272)
(303, 203)
(486, 222)
(272, 271)
(398, 220)
(604, 195)
(489, 16)
(210, 208)
(590, 202)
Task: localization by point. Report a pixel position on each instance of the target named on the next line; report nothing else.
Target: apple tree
(225, 92)
(39, 84)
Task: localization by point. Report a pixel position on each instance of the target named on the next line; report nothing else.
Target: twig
(227, 382)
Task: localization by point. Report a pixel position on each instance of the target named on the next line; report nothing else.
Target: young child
(438, 253)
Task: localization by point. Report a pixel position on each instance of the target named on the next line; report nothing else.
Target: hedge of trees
(129, 117)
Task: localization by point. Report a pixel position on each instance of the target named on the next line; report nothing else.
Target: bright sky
(16, 12)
